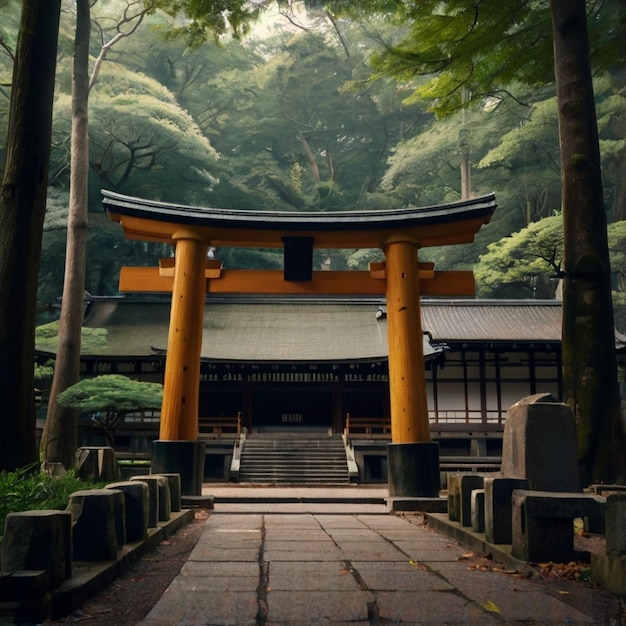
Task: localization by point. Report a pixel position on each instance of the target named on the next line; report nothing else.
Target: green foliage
(361, 259)
(617, 250)
(162, 112)
(139, 135)
(529, 262)
(469, 51)
(107, 252)
(112, 393)
(9, 25)
(514, 262)
(28, 490)
(93, 340)
(44, 371)
(108, 398)
(207, 20)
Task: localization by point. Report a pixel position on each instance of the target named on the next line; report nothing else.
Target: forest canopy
(298, 112)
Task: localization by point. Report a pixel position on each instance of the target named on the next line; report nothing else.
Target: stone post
(539, 444)
(39, 540)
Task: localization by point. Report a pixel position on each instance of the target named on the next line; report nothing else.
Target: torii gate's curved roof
(452, 223)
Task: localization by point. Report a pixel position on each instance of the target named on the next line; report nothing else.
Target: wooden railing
(465, 446)
(367, 426)
(381, 426)
(466, 430)
(215, 427)
(466, 416)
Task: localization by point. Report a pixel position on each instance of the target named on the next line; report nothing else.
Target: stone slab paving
(351, 568)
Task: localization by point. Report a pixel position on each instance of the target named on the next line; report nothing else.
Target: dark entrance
(223, 400)
(292, 406)
(367, 400)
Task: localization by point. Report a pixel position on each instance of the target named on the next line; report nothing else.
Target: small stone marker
(96, 519)
(137, 502)
(96, 463)
(158, 490)
(616, 524)
(539, 444)
(469, 482)
(498, 509)
(478, 510)
(38, 540)
(175, 489)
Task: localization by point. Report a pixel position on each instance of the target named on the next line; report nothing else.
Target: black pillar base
(413, 470)
(181, 457)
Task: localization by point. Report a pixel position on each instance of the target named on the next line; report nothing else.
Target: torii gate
(413, 460)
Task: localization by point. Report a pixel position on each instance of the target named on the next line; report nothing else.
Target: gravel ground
(128, 599)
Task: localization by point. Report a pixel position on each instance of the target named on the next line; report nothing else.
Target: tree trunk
(60, 438)
(22, 210)
(590, 383)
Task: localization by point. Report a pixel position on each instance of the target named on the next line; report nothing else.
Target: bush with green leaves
(28, 489)
(109, 398)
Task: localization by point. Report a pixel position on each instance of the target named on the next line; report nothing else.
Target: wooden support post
(407, 383)
(179, 410)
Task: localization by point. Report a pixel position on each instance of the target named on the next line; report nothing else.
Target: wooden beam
(213, 267)
(426, 270)
(449, 283)
(351, 283)
(145, 280)
(272, 282)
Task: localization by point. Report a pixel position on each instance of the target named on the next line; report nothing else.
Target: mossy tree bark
(22, 209)
(590, 384)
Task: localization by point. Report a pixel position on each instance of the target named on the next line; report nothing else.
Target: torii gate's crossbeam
(441, 225)
(358, 283)
(402, 279)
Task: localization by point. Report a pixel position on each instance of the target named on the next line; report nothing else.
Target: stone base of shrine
(413, 470)
(181, 457)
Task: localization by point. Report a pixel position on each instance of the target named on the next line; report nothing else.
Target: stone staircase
(295, 460)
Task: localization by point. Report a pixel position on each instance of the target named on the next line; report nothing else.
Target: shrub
(27, 489)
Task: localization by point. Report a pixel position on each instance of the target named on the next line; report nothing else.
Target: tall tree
(462, 45)
(590, 383)
(60, 435)
(22, 209)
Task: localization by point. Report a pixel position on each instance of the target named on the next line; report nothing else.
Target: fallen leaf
(491, 607)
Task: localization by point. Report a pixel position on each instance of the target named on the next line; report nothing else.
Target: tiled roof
(236, 330)
(492, 320)
(318, 329)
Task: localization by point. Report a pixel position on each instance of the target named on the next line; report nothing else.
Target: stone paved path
(343, 568)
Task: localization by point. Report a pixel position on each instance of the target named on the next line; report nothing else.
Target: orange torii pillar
(177, 449)
(412, 458)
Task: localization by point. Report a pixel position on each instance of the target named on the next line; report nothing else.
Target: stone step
(318, 461)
